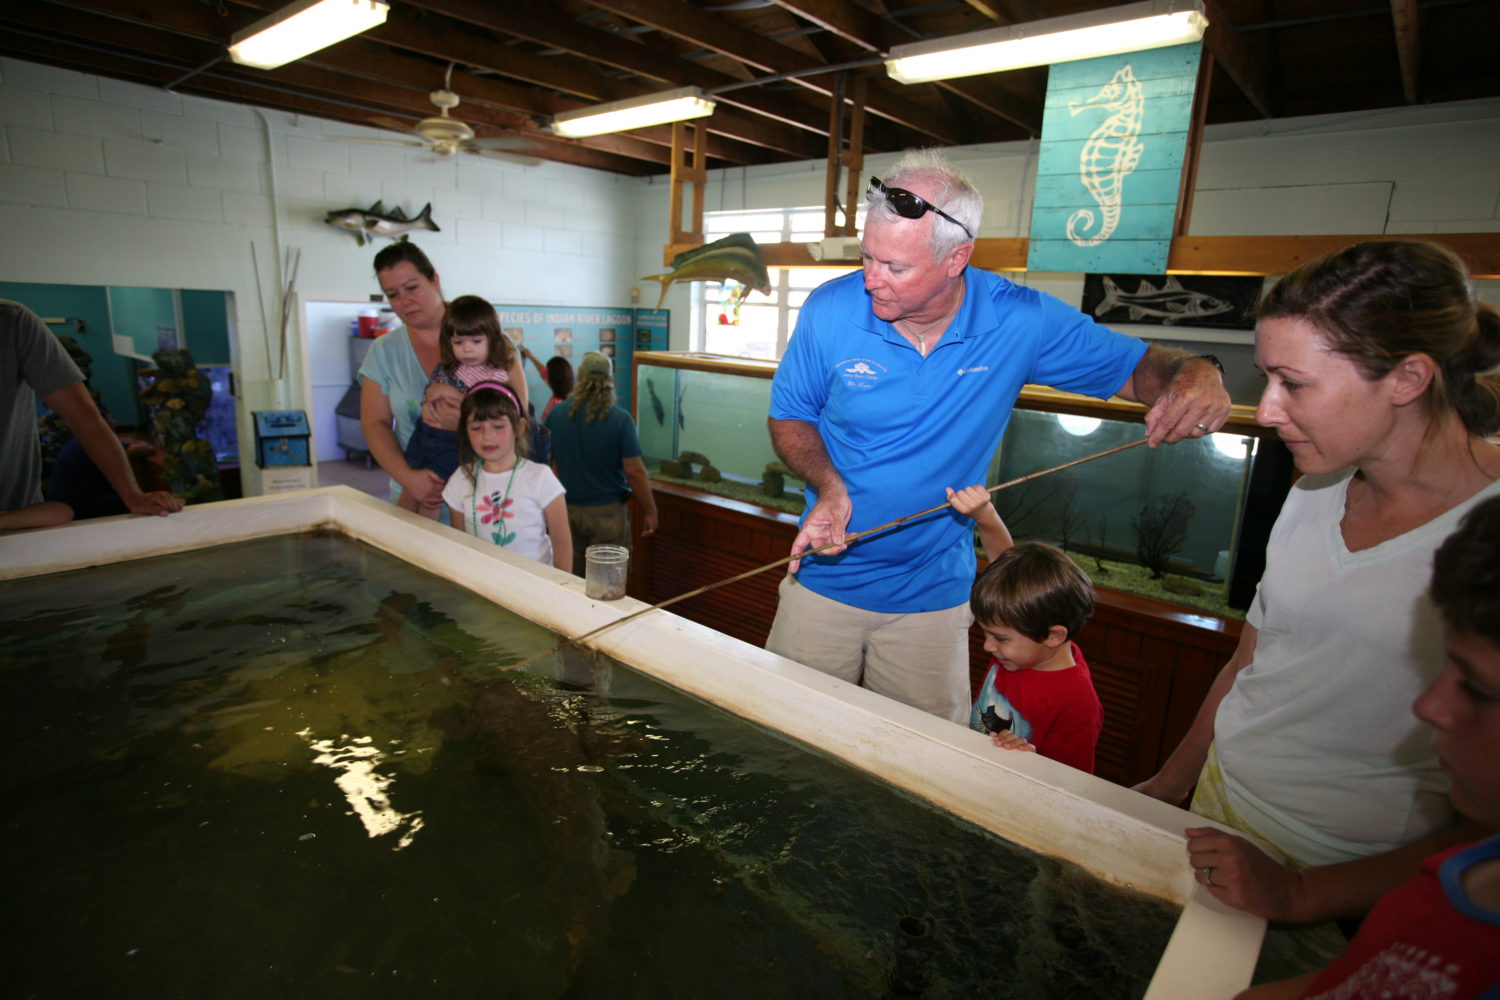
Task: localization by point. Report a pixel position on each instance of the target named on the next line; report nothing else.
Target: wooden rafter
(689, 174)
(1408, 45)
(681, 19)
(860, 26)
(1247, 70)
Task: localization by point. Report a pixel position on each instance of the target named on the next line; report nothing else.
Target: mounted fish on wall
(1224, 303)
(733, 258)
(368, 223)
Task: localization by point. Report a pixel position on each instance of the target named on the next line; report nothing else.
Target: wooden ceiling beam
(446, 41)
(682, 20)
(345, 97)
(1232, 52)
(543, 26)
(382, 74)
(863, 28)
(155, 69)
(523, 104)
(1404, 15)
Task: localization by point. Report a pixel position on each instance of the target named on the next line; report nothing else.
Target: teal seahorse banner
(1114, 134)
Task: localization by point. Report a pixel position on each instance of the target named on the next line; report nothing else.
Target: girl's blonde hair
(489, 401)
(466, 316)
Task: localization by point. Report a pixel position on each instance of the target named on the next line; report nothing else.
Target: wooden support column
(689, 167)
(847, 154)
(1407, 22)
(1189, 181)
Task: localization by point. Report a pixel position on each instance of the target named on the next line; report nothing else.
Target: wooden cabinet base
(1152, 663)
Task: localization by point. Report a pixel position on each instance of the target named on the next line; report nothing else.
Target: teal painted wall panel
(1135, 226)
(138, 315)
(1173, 62)
(1113, 143)
(205, 322)
(112, 375)
(1061, 159)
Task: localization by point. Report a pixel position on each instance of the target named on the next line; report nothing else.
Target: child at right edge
(1038, 695)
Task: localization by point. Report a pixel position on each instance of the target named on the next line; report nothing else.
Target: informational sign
(1114, 137)
(652, 329)
(571, 332)
(286, 479)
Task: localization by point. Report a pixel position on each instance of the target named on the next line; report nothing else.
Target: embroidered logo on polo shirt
(976, 368)
(860, 373)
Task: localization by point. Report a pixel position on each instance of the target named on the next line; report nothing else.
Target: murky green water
(288, 768)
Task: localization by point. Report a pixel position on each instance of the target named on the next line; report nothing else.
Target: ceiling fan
(445, 135)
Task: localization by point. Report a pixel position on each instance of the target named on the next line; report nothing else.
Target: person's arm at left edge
(78, 411)
(1185, 392)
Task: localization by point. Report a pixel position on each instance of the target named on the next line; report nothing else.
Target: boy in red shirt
(1038, 695)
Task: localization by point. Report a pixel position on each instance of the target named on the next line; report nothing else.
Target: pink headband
(501, 387)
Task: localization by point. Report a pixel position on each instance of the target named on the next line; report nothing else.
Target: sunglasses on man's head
(911, 206)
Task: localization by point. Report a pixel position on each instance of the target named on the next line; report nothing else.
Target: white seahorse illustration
(1111, 152)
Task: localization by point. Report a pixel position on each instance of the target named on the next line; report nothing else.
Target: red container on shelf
(367, 323)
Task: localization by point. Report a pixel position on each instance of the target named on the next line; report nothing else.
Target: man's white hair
(953, 192)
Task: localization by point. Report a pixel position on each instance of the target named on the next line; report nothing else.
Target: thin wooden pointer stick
(848, 539)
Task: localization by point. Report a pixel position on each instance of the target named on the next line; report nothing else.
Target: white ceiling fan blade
(501, 142)
(395, 142)
(497, 154)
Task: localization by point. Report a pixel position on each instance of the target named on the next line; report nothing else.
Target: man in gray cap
(597, 455)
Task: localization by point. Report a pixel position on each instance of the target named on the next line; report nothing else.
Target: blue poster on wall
(1114, 135)
(571, 332)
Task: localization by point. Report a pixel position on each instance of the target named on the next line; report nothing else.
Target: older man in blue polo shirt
(899, 382)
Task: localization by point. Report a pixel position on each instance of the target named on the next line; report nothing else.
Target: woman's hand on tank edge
(1244, 876)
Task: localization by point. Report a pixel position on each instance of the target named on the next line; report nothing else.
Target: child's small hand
(1007, 740)
(970, 500)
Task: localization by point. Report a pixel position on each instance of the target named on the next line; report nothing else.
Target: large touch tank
(1111, 831)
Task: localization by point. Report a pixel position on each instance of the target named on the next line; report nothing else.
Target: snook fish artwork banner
(1114, 136)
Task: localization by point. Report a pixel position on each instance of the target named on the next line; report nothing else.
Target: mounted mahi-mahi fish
(735, 257)
(368, 223)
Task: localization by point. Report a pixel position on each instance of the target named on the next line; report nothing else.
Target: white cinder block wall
(110, 183)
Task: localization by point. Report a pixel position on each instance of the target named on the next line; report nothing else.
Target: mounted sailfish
(1111, 152)
(735, 257)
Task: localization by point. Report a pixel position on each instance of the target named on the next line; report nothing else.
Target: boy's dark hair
(466, 316)
(396, 253)
(489, 404)
(560, 376)
(1030, 588)
(1466, 574)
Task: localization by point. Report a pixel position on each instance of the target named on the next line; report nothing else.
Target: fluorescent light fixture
(302, 27)
(1111, 31)
(636, 112)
